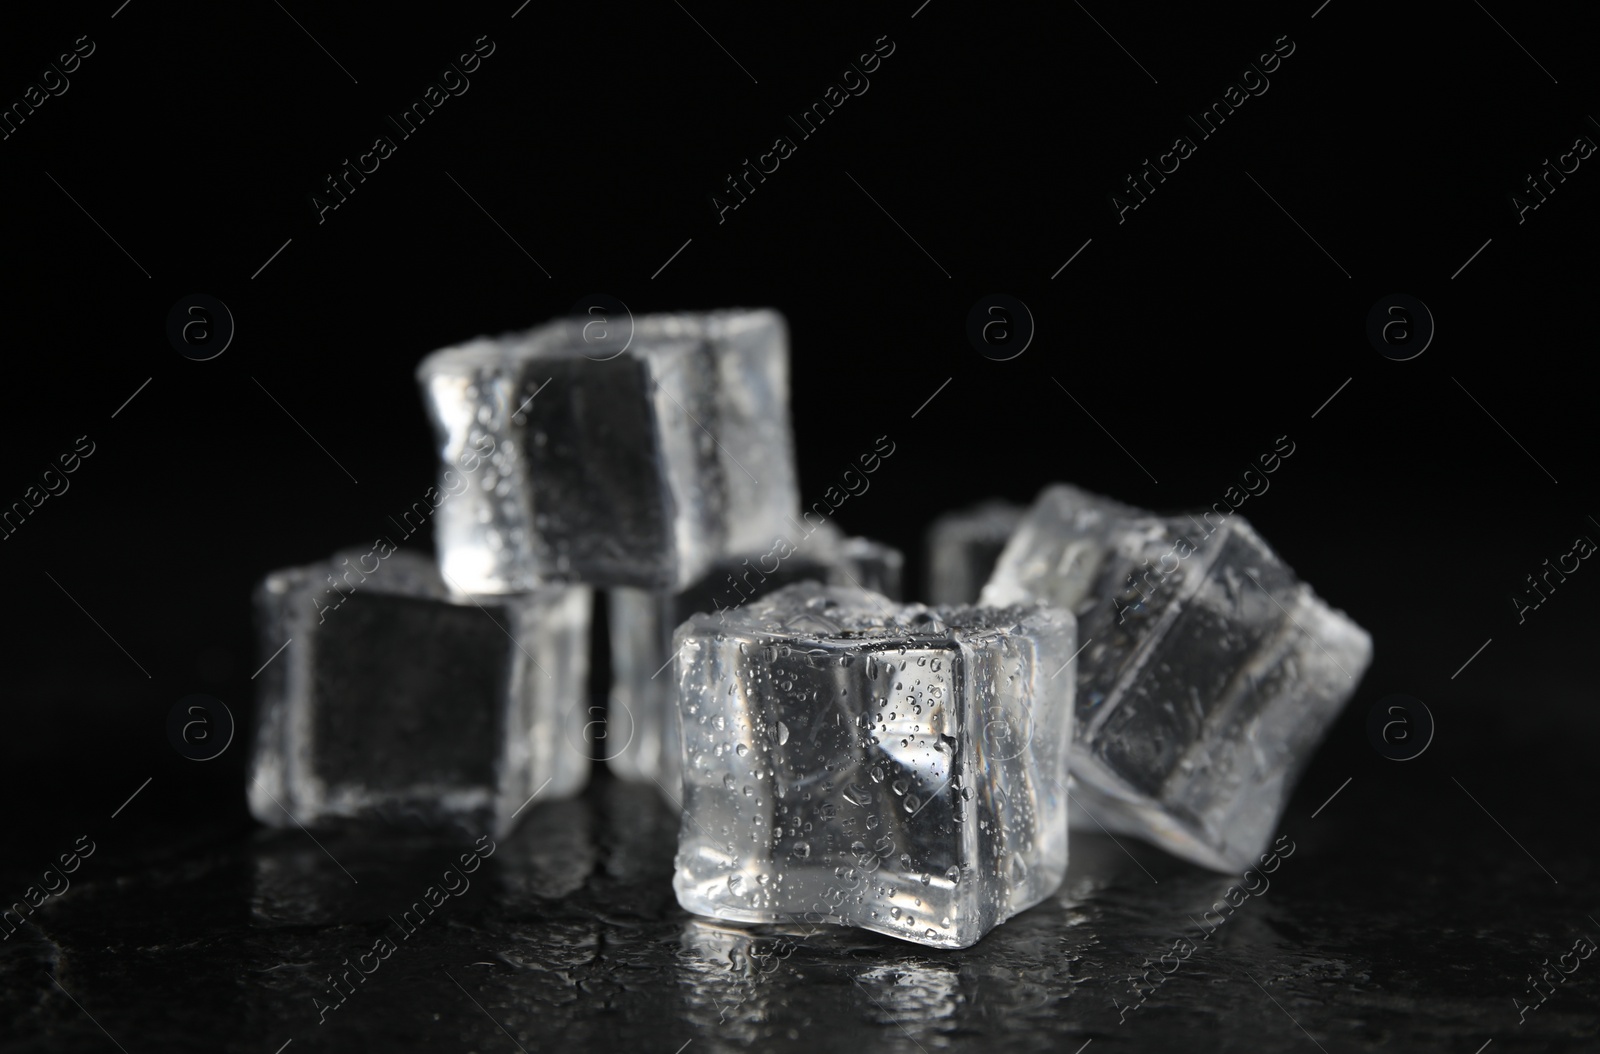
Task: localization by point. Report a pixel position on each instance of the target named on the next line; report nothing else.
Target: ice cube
(393, 700)
(896, 768)
(963, 547)
(638, 457)
(644, 699)
(871, 565)
(1208, 676)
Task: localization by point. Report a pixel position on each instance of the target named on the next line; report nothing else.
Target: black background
(1196, 332)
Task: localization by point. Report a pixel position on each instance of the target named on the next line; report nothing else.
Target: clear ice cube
(852, 761)
(396, 699)
(1208, 676)
(636, 457)
(644, 691)
(963, 547)
(871, 565)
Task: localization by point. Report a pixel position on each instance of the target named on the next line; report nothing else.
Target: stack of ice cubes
(838, 756)
(571, 458)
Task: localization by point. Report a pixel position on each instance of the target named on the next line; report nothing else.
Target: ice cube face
(852, 761)
(644, 690)
(963, 547)
(397, 702)
(636, 457)
(1209, 674)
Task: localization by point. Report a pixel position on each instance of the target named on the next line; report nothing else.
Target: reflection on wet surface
(567, 936)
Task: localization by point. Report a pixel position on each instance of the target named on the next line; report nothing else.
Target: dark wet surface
(1401, 921)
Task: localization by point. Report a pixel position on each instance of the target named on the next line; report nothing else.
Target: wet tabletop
(1398, 918)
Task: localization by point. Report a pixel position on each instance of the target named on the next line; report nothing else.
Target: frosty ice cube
(896, 768)
(963, 547)
(622, 456)
(644, 690)
(395, 701)
(1208, 676)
